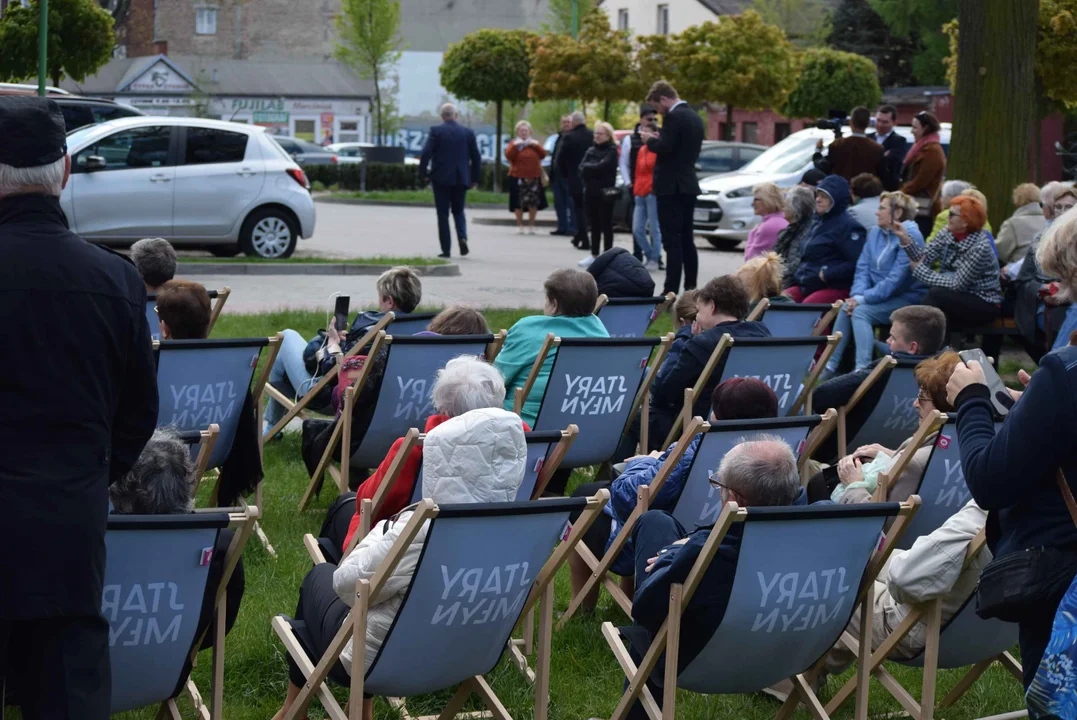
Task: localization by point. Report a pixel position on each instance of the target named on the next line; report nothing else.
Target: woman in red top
(525, 155)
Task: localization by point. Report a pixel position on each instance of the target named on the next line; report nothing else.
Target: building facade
(666, 17)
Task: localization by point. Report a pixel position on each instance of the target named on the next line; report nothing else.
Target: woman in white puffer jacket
(477, 457)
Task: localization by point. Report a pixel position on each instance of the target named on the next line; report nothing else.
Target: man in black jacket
(79, 399)
(675, 184)
(894, 146)
(562, 199)
(574, 146)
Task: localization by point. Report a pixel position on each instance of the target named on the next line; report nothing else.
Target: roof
(182, 74)
(726, 7)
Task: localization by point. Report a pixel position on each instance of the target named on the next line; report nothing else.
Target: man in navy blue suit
(452, 157)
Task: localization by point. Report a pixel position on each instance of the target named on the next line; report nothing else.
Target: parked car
(723, 213)
(78, 111)
(305, 152)
(718, 156)
(227, 187)
(352, 152)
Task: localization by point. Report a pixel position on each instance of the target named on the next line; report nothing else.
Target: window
(304, 130)
(142, 147)
(663, 20)
(782, 131)
(206, 145)
(205, 21)
(104, 113)
(349, 131)
(749, 132)
(715, 159)
(622, 19)
(727, 131)
(76, 116)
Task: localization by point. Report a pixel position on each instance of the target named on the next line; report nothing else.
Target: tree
(833, 80)
(560, 17)
(490, 66)
(370, 44)
(802, 20)
(856, 28)
(1056, 51)
(921, 21)
(995, 110)
(80, 40)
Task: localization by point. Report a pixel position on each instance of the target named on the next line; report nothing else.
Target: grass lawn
(375, 260)
(474, 197)
(585, 682)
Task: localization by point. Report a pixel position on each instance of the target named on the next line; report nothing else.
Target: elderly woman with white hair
(799, 212)
(525, 155)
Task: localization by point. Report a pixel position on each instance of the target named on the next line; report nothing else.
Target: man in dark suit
(574, 146)
(894, 146)
(854, 154)
(452, 156)
(675, 185)
(79, 399)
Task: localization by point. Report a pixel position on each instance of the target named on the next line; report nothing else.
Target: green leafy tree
(802, 20)
(490, 66)
(921, 22)
(370, 44)
(560, 15)
(856, 28)
(80, 40)
(833, 80)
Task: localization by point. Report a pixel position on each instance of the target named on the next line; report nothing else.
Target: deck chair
(787, 365)
(773, 633)
(868, 391)
(795, 320)
(597, 384)
(510, 548)
(201, 444)
(893, 418)
(699, 503)
(411, 365)
(630, 317)
(155, 579)
(965, 640)
(412, 324)
(219, 298)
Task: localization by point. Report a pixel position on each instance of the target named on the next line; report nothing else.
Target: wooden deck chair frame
(825, 320)
(931, 424)
(209, 439)
(881, 371)
(667, 639)
(931, 614)
(295, 407)
(218, 306)
(723, 347)
(640, 404)
(354, 628)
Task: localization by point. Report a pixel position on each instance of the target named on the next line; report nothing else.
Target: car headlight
(739, 193)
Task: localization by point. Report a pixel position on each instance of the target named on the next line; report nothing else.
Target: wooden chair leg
(217, 705)
(931, 661)
(545, 650)
(863, 660)
(453, 707)
(673, 646)
(484, 691)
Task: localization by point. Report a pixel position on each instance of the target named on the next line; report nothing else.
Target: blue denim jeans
(288, 371)
(861, 326)
(563, 206)
(644, 214)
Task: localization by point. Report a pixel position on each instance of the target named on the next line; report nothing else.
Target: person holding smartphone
(526, 191)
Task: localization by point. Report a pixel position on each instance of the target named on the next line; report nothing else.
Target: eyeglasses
(923, 398)
(955, 213)
(713, 480)
(1063, 207)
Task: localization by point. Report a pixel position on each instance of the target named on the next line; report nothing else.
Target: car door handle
(245, 172)
(160, 177)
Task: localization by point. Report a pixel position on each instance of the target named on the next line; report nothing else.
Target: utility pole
(42, 46)
(575, 35)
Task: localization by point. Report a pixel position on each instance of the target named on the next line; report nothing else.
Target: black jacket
(677, 149)
(599, 168)
(620, 275)
(633, 153)
(894, 148)
(574, 145)
(78, 393)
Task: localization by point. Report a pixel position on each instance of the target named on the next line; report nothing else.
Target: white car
(352, 152)
(723, 213)
(227, 187)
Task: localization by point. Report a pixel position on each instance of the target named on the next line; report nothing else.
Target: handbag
(1015, 585)
(545, 177)
(924, 205)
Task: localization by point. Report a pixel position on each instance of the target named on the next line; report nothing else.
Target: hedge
(385, 176)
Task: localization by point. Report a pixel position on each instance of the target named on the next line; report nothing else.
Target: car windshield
(788, 156)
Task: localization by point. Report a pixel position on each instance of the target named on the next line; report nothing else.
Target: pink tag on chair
(254, 360)
(643, 363)
(943, 442)
(207, 557)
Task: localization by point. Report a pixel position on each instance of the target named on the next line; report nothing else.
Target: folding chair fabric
(629, 317)
(893, 419)
(786, 320)
(155, 580)
(794, 592)
(968, 639)
(942, 488)
(700, 503)
(593, 384)
(782, 363)
(411, 324)
(201, 382)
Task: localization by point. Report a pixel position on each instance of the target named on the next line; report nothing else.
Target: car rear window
(210, 145)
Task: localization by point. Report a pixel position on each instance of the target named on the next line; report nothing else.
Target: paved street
(503, 270)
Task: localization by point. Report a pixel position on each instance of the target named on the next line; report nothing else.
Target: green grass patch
(386, 260)
(474, 197)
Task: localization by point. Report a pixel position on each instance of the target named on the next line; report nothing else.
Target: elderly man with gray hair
(74, 421)
(155, 259)
(452, 162)
(573, 146)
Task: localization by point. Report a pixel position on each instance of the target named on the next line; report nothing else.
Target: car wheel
(269, 233)
(223, 251)
(723, 243)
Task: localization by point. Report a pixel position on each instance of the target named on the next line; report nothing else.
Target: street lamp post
(42, 46)
(575, 34)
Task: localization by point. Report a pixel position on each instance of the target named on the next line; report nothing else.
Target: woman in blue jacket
(883, 282)
(828, 260)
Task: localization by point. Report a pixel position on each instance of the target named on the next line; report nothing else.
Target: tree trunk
(730, 125)
(497, 152)
(995, 105)
(377, 109)
(606, 111)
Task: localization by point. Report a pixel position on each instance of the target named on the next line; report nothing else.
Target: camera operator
(855, 154)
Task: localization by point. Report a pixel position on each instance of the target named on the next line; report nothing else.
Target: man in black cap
(78, 401)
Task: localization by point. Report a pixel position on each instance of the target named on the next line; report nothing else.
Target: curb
(404, 203)
(328, 268)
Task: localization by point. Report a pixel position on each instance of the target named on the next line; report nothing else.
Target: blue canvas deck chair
(892, 418)
(795, 319)
(630, 317)
(963, 641)
(219, 298)
(830, 555)
(699, 502)
(411, 366)
(787, 365)
(156, 576)
(514, 550)
(412, 324)
(201, 443)
(597, 384)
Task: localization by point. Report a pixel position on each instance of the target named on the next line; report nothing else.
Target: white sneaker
(519, 231)
(531, 231)
(586, 262)
(651, 266)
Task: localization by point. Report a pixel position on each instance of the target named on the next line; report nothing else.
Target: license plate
(703, 215)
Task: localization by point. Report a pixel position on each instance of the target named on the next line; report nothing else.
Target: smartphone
(340, 313)
(1000, 395)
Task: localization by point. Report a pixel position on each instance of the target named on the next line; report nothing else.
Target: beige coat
(1016, 234)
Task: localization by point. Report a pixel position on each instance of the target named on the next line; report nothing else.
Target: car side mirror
(94, 163)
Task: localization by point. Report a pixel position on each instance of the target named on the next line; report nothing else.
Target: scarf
(918, 147)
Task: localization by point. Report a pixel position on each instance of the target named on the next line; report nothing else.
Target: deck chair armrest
(550, 342)
(759, 310)
(315, 552)
(601, 302)
(568, 437)
(827, 318)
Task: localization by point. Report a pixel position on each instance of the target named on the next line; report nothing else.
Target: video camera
(833, 122)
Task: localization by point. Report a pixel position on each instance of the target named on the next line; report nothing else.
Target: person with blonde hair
(1017, 231)
(762, 278)
(768, 204)
(525, 155)
(599, 171)
(1057, 256)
